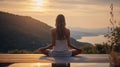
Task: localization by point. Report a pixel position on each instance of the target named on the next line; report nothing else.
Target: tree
(114, 32)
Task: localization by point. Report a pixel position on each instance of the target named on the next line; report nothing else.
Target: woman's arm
(53, 37)
(52, 41)
(68, 40)
(47, 47)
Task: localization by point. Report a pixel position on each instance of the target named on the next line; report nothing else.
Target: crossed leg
(44, 51)
(76, 52)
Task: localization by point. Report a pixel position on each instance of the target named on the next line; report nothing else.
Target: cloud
(74, 2)
(84, 6)
(86, 2)
(14, 0)
(92, 11)
(78, 4)
(17, 1)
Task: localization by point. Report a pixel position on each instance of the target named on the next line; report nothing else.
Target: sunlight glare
(30, 65)
(42, 64)
(39, 5)
(39, 2)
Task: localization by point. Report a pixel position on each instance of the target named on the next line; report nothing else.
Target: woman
(60, 41)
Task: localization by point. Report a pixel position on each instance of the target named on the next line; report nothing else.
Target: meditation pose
(60, 38)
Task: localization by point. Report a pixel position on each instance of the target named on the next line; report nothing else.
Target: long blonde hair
(60, 26)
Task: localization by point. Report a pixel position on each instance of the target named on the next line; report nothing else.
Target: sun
(39, 3)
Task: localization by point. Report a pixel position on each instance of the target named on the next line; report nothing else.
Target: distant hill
(77, 33)
(24, 32)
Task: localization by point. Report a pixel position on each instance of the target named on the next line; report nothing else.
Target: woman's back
(60, 45)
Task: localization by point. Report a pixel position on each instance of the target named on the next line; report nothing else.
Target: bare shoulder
(67, 30)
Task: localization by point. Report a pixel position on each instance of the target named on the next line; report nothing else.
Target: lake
(49, 65)
(93, 39)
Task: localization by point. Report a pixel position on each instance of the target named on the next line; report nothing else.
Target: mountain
(24, 32)
(77, 33)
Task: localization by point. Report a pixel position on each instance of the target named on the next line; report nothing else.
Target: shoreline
(93, 39)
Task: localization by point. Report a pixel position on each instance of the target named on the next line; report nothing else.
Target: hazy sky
(78, 13)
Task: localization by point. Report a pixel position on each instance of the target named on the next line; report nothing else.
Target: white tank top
(61, 45)
(60, 49)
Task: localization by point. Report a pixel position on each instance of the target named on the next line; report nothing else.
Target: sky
(78, 13)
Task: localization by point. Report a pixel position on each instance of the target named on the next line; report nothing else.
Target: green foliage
(23, 51)
(36, 51)
(97, 49)
(87, 49)
(16, 51)
(101, 49)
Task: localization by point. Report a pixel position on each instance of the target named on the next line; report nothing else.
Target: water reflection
(90, 65)
(49, 65)
(30, 65)
(93, 39)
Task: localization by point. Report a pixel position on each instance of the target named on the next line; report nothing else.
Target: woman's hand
(47, 47)
(78, 49)
(73, 47)
(42, 48)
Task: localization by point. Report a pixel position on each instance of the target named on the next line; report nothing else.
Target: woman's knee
(41, 50)
(76, 52)
(80, 51)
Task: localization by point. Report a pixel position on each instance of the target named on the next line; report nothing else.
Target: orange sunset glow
(79, 13)
(59, 33)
